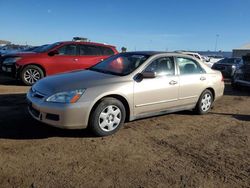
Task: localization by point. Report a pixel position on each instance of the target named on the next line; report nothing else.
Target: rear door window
(188, 66)
(89, 50)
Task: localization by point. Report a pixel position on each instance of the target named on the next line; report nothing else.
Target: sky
(136, 24)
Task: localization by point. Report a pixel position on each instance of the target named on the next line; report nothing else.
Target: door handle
(172, 82)
(202, 78)
(75, 59)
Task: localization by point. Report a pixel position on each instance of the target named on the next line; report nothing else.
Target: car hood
(73, 80)
(21, 54)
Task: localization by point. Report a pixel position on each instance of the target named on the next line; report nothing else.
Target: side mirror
(139, 77)
(52, 53)
(149, 74)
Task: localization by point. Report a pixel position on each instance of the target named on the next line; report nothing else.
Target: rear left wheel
(205, 102)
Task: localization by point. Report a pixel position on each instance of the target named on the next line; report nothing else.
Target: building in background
(4, 42)
(242, 51)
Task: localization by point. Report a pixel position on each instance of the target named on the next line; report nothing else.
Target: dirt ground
(175, 150)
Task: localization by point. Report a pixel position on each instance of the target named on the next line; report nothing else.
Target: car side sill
(158, 102)
(172, 110)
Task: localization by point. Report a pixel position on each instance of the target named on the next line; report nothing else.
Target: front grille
(53, 117)
(3, 57)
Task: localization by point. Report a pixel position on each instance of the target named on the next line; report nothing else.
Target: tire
(108, 117)
(30, 74)
(205, 102)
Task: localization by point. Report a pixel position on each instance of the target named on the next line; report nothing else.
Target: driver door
(65, 61)
(152, 95)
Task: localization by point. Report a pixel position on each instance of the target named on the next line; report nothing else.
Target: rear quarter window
(106, 51)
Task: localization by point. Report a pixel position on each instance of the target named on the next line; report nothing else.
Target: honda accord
(125, 87)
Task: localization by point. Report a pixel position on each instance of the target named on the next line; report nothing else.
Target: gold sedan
(125, 87)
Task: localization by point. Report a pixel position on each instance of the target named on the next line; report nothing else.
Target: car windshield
(45, 48)
(121, 64)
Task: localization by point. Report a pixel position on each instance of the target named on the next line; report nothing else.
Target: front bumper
(66, 116)
(9, 70)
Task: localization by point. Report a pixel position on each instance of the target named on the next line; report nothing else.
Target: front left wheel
(31, 74)
(108, 117)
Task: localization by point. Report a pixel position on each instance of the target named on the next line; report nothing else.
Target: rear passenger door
(89, 55)
(193, 80)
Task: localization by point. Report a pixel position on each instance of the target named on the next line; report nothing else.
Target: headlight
(11, 60)
(233, 66)
(66, 97)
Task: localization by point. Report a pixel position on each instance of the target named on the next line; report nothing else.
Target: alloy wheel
(31, 76)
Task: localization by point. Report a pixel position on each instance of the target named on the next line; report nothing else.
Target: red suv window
(69, 49)
(89, 50)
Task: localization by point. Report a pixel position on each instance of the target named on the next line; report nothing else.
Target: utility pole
(216, 42)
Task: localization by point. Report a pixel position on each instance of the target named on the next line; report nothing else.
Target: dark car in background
(241, 76)
(227, 66)
(33, 48)
(55, 58)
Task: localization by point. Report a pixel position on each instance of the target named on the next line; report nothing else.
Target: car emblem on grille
(36, 93)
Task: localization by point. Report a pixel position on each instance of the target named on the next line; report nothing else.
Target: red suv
(54, 58)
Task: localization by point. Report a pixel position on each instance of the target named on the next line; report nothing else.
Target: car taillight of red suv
(54, 58)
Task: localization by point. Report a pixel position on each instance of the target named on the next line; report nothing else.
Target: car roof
(91, 43)
(144, 52)
(151, 53)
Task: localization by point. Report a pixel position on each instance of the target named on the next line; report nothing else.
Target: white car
(215, 59)
(204, 59)
(196, 55)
